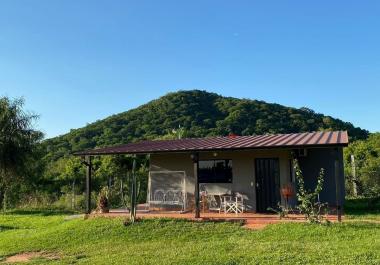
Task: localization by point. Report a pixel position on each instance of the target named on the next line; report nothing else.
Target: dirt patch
(255, 226)
(27, 256)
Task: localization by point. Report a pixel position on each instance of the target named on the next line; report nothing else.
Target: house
(255, 167)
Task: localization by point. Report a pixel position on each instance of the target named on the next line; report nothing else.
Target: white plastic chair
(214, 202)
(179, 199)
(239, 202)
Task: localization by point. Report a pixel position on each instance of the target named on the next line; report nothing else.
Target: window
(215, 171)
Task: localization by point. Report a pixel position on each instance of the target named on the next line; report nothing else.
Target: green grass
(108, 241)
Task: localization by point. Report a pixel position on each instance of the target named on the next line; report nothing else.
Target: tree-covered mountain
(200, 113)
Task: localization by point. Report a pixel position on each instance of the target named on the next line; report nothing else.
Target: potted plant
(287, 191)
(103, 203)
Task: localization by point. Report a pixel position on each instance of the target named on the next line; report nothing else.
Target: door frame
(275, 189)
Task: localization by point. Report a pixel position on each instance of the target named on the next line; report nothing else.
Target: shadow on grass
(6, 227)
(40, 212)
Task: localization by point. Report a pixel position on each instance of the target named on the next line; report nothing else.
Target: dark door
(267, 183)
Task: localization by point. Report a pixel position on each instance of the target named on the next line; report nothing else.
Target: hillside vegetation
(201, 114)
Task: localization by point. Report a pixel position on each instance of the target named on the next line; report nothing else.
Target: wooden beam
(195, 158)
(88, 164)
(338, 189)
(133, 192)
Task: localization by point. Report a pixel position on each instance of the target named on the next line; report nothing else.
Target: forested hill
(200, 113)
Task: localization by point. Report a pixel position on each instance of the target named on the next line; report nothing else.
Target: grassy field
(108, 241)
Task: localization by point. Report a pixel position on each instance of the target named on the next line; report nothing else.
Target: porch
(248, 220)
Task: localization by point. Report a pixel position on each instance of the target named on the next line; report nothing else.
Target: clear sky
(78, 61)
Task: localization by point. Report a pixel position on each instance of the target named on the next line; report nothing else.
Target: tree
(367, 166)
(73, 173)
(115, 172)
(174, 134)
(18, 142)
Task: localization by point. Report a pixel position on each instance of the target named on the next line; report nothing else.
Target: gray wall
(318, 158)
(243, 166)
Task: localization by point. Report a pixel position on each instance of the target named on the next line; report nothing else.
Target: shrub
(103, 205)
(308, 203)
(282, 210)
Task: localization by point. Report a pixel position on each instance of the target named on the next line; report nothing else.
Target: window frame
(214, 179)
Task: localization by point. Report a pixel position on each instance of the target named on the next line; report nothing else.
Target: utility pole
(354, 187)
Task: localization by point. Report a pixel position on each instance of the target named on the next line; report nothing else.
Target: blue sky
(79, 61)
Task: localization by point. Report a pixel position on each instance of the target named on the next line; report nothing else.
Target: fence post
(88, 183)
(133, 190)
(338, 190)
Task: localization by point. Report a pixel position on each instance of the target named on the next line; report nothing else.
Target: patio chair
(173, 198)
(239, 202)
(179, 199)
(229, 203)
(233, 203)
(222, 202)
(214, 202)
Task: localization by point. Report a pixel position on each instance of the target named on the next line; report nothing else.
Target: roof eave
(94, 153)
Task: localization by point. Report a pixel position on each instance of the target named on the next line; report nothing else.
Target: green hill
(202, 114)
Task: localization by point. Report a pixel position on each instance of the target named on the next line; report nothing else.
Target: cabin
(237, 173)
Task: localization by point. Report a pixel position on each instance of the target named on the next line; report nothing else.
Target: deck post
(133, 191)
(88, 163)
(337, 189)
(195, 158)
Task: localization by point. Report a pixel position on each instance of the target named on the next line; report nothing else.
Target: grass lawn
(108, 241)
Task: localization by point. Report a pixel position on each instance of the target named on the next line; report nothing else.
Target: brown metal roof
(293, 140)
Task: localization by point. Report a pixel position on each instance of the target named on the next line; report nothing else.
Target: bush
(103, 202)
(43, 200)
(362, 205)
(36, 200)
(308, 200)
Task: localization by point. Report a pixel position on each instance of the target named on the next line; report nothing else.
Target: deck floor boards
(249, 220)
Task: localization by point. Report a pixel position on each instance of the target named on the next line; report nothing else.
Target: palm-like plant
(103, 200)
(18, 140)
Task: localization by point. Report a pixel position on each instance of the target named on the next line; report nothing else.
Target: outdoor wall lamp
(194, 157)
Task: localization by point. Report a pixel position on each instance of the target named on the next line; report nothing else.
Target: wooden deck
(249, 220)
